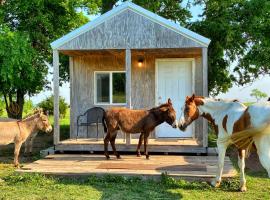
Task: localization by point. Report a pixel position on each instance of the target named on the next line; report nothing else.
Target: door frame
(193, 72)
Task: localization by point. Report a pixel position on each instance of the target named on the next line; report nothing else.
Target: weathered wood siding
(142, 82)
(129, 30)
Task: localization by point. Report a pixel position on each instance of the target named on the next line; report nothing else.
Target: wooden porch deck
(160, 145)
(189, 167)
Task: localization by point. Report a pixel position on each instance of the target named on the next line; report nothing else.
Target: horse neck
(213, 107)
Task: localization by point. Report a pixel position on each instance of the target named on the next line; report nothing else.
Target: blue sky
(241, 93)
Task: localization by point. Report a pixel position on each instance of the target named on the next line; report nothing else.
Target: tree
(239, 33)
(258, 94)
(27, 28)
(20, 70)
(170, 9)
(47, 105)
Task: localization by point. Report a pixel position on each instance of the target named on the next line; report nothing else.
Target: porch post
(56, 130)
(205, 92)
(128, 86)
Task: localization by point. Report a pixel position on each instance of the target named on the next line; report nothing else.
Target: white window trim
(111, 92)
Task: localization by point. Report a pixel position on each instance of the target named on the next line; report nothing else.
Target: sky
(236, 92)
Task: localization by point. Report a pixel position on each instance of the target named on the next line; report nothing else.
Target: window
(110, 87)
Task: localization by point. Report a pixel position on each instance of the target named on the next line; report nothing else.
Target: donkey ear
(164, 109)
(192, 97)
(169, 101)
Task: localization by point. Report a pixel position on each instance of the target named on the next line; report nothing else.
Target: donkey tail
(244, 139)
(104, 123)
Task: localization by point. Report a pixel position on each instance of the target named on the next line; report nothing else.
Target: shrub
(47, 105)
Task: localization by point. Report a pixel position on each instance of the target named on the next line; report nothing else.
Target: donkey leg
(16, 153)
(112, 141)
(31, 143)
(145, 145)
(106, 142)
(241, 164)
(221, 156)
(139, 145)
(27, 147)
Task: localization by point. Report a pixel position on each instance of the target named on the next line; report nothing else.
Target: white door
(174, 80)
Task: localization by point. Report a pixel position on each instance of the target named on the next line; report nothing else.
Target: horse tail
(245, 139)
(104, 123)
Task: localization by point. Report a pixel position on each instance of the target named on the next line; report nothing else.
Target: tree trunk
(14, 108)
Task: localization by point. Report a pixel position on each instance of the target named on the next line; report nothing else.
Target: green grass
(35, 186)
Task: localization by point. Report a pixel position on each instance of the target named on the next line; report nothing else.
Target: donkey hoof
(17, 166)
(107, 157)
(118, 157)
(147, 157)
(243, 189)
(215, 183)
(139, 155)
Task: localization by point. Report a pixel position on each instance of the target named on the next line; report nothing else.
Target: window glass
(103, 87)
(119, 87)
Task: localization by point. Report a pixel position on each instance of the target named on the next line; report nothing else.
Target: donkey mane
(158, 107)
(30, 117)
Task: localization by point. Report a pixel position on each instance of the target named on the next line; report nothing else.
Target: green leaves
(18, 64)
(239, 31)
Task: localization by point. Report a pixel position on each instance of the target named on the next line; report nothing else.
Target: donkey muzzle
(175, 124)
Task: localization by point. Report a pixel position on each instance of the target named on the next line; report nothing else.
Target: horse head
(168, 113)
(190, 111)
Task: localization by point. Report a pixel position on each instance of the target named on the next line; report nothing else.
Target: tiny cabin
(134, 58)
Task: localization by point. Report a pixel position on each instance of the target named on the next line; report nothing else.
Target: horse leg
(241, 164)
(17, 152)
(263, 150)
(112, 141)
(221, 156)
(145, 145)
(139, 145)
(106, 142)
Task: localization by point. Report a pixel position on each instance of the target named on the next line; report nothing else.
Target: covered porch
(140, 93)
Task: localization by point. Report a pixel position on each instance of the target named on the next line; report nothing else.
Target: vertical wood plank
(205, 93)
(128, 85)
(56, 96)
(71, 96)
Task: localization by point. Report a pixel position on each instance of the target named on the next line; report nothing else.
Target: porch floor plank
(161, 145)
(129, 165)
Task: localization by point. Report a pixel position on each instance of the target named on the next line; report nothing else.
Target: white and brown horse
(235, 124)
(18, 132)
(136, 121)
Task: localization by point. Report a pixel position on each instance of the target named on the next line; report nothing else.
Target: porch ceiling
(183, 52)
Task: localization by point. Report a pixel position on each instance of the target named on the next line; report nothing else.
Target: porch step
(154, 145)
(189, 167)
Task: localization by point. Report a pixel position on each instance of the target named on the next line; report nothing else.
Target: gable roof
(135, 8)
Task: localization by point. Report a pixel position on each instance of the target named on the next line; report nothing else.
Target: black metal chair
(93, 116)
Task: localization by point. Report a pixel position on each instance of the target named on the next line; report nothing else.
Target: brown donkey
(136, 121)
(18, 131)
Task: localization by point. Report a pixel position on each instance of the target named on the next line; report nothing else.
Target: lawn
(36, 186)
